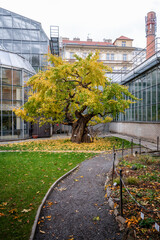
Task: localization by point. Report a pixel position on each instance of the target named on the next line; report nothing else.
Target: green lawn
(25, 177)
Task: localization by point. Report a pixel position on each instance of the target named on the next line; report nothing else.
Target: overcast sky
(98, 18)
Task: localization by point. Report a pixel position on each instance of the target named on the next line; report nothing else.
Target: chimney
(107, 40)
(150, 33)
(76, 39)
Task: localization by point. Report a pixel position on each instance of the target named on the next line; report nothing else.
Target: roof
(14, 60)
(88, 43)
(5, 12)
(124, 38)
(8, 12)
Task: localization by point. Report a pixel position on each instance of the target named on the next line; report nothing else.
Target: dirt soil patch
(141, 175)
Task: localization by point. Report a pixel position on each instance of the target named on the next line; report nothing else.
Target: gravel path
(77, 208)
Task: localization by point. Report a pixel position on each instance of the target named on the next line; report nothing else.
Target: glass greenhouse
(14, 72)
(144, 83)
(24, 36)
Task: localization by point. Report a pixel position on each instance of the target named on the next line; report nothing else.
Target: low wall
(148, 131)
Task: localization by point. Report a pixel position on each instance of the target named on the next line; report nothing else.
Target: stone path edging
(44, 199)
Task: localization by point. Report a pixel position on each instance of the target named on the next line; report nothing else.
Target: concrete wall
(148, 131)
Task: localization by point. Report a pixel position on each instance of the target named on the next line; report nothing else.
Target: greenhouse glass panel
(6, 104)
(7, 122)
(26, 90)
(139, 84)
(43, 60)
(17, 34)
(35, 60)
(126, 116)
(6, 34)
(17, 104)
(148, 80)
(136, 114)
(8, 46)
(136, 97)
(25, 48)
(144, 113)
(140, 114)
(130, 114)
(37, 69)
(144, 96)
(144, 82)
(17, 93)
(17, 47)
(43, 37)
(6, 76)
(25, 34)
(149, 96)
(1, 21)
(26, 127)
(7, 21)
(158, 112)
(35, 47)
(154, 77)
(136, 86)
(158, 76)
(17, 126)
(133, 88)
(5, 59)
(34, 35)
(43, 48)
(17, 77)
(154, 95)
(6, 12)
(16, 22)
(149, 113)
(6, 92)
(158, 91)
(140, 96)
(153, 112)
(25, 23)
(26, 56)
(35, 25)
(133, 114)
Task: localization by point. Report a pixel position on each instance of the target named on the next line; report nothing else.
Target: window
(16, 77)
(124, 57)
(108, 56)
(124, 68)
(84, 55)
(123, 43)
(100, 56)
(71, 55)
(112, 56)
(6, 76)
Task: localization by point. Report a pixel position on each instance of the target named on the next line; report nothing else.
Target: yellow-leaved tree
(75, 94)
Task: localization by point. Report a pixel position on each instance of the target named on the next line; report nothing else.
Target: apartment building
(118, 54)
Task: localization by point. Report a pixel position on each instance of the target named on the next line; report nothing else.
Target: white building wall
(148, 131)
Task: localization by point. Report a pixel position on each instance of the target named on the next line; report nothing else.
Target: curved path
(77, 209)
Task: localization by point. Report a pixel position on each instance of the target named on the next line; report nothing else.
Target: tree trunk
(80, 132)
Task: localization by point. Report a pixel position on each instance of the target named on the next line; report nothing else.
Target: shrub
(146, 159)
(132, 181)
(117, 180)
(146, 223)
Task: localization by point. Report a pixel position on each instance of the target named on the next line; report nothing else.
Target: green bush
(132, 181)
(117, 180)
(146, 223)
